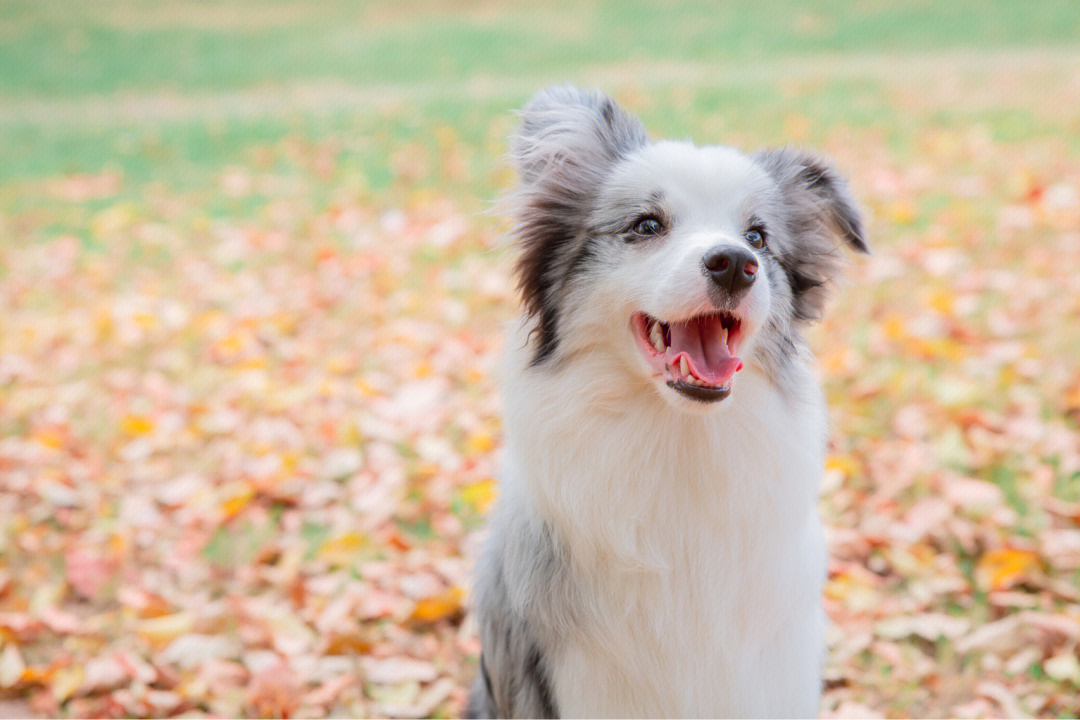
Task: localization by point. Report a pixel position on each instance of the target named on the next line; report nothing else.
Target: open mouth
(696, 356)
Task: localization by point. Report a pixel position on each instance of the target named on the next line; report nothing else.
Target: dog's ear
(569, 131)
(819, 209)
(568, 141)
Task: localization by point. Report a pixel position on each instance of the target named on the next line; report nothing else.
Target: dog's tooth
(723, 335)
(684, 367)
(657, 337)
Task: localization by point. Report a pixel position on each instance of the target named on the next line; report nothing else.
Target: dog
(655, 549)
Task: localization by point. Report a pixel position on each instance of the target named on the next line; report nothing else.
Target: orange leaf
(138, 425)
(1004, 568)
(50, 438)
(237, 500)
(443, 605)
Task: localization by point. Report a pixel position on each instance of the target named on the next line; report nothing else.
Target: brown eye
(648, 225)
(756, 237)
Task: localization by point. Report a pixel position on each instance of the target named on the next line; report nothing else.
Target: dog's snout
(732, 268)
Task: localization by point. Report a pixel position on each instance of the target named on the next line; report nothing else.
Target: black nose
(732, 268)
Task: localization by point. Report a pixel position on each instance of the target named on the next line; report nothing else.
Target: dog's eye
(756, 237)
(648, 225)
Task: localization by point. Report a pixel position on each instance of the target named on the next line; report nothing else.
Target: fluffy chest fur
(691, 543)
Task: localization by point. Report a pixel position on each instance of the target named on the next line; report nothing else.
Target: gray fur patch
(569, 140)
(817, 207)
(523, 592)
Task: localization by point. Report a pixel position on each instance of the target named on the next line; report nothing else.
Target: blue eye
(648, 225)
(756, 237)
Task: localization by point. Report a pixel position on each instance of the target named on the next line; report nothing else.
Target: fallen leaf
(12, 666)
(396, 670)
(1005, 567)
(480, 495)
(1064, 667)
(439, 607)
(165, 628)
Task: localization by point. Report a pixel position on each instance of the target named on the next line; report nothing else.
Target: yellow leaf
(50, 438)
(439, 607)
(366, 389)
(343, 549)
(138, 425)
(12, 667)
(167, 627)
(290, 460)
(844, 463)
(852, 591)
(103, 322)
(895, 328)
(1004, 568)
(480, 494)
(942, 301)
(479, 442)
(237, 498)
(144, 320)
(65, 682)
(231, 344)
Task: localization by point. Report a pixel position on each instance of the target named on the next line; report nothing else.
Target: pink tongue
(709, 357)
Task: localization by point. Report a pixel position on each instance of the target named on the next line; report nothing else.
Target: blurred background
(251, 300)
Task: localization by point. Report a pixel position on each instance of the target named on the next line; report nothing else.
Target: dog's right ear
(584, 130)
(569, 140)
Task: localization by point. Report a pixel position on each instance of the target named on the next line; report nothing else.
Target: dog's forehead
(693, 181)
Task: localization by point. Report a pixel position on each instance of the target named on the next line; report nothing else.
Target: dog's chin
(691, 361)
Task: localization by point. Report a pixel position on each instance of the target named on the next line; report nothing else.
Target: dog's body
(656, 549)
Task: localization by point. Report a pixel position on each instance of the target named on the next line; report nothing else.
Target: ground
(251, 304)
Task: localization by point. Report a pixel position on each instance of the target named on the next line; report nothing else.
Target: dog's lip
(698, 351)
(700, 393)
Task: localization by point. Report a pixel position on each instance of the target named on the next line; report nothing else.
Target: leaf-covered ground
(251, 305)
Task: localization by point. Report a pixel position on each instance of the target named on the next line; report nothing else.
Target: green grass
(74, 49)
(169, 92)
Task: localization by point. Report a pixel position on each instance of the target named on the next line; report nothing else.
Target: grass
(62, 49)
(175, 89)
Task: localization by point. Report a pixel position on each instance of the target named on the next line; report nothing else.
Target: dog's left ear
(819, 208)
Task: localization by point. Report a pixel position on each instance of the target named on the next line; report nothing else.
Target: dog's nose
(732, 268)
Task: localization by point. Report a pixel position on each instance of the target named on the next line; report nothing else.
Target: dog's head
(669, 261)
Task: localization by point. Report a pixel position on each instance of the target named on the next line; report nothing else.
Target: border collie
(656, 549)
